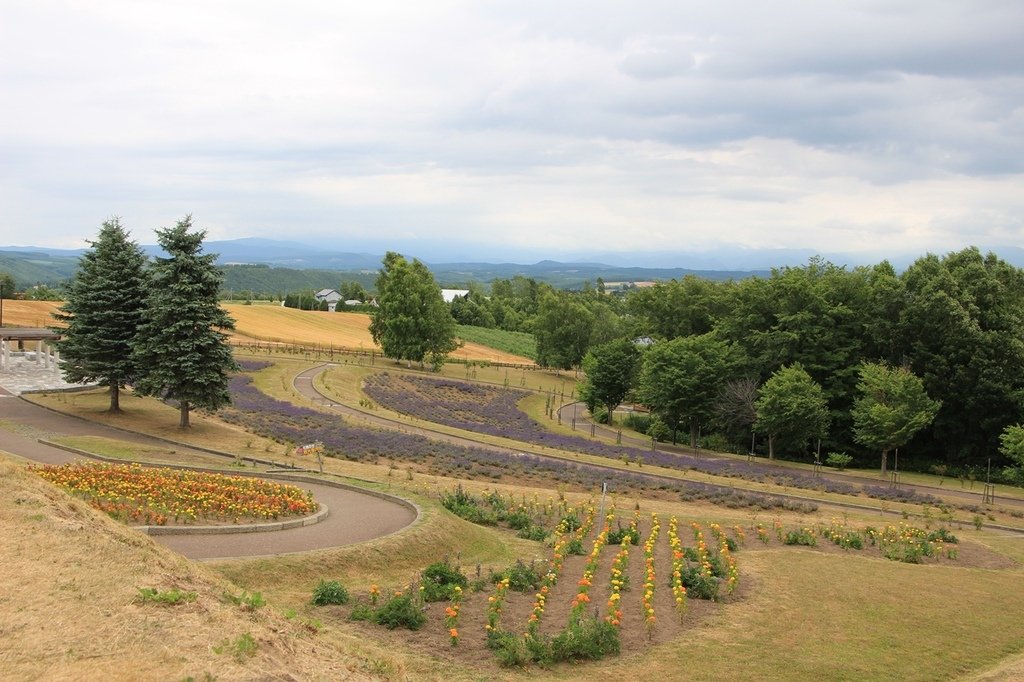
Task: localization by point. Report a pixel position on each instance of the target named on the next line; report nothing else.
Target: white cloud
(546, 125)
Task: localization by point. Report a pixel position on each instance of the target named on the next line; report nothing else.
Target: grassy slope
(517, 343)
(69, 581)
(809, 616)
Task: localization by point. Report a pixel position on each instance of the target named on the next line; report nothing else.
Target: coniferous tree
(103, 311)
(181, 350)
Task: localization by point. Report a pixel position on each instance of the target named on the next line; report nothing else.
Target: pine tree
(103, 311)
(181, 351)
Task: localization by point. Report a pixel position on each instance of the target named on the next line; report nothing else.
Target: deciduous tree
(562, 329)
(892, 407)
(411, 321)
(611, 370)
(791, 409)
(680, 379)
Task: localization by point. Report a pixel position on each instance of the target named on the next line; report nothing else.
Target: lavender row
(493, 411)
(285, 422)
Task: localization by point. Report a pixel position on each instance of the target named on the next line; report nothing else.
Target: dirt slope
(66, 615)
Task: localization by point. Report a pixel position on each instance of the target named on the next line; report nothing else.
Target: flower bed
(493, 411)
(156, 496)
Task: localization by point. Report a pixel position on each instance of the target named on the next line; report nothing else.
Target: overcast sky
(504, 127)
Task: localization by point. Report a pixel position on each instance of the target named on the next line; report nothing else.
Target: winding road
(354, 516)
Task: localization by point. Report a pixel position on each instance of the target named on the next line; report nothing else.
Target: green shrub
(838, 460)
(533, 533)
(329, 592)
(638, 422)
(521, 577)
(616, 536)
(942, 535)
(400, 611)
(510, 649)
(362, 612)
(803, 536)
(658, 430)
(699, 586)
(518, 520)
(570, 523)
(574, 547)
(170, 597)
(440, 580)
(588, 640)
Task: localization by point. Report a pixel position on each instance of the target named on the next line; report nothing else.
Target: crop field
(565, 558)
(276, 324)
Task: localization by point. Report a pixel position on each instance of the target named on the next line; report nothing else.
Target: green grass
(518, 343)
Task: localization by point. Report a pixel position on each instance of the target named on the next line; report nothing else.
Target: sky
(491, 130)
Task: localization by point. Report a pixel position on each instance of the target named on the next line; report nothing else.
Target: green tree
(961, 329)
(181, 351)
(791, 409)
(611, 370)
(892, 407)
(103, 311)
(680, 379)
(411, 321)
(6, 290)
(1012, 447)
(562, 329)
(7, 286)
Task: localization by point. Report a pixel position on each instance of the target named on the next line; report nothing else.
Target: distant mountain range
(31, 265)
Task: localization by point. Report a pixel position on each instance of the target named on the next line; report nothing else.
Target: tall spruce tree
(103, 311)
(181, 350)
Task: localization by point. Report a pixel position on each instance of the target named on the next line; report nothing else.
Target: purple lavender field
(493, 411)
(468, 404)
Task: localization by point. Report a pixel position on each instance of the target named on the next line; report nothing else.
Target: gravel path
(354, 516)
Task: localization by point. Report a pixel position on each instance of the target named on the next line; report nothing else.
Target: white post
(3, 354)
(55, 361)
(39, 352)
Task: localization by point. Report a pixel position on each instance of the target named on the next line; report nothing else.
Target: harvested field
(276, 324)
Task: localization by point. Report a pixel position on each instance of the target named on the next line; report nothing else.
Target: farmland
(482, 507)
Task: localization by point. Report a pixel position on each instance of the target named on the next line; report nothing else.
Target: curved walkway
(304, 383)
(354, 516)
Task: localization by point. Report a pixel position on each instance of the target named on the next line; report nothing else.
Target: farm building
(449, 294)
(330, 295)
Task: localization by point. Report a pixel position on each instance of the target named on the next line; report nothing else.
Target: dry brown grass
(339, 330)
(349, 331)
(29, 313)
(70, 580)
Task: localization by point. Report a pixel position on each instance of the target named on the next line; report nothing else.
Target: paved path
(354, 516)
(304, 383)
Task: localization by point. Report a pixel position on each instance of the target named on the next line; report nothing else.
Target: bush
(801, 537)
(838, 460)
(942, 535)
(658, 430)
(638, 422)
(329, 592)
(400, 611)
(440, 580)
(589, 640)
(616, 536)
(699, 586)
(510, 649)
(518, 521)
(521, 577)
(533, 533)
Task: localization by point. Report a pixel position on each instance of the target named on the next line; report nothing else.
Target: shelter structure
(16, 341)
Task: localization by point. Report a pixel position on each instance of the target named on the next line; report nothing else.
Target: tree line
(153, 325)
(935, 354)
